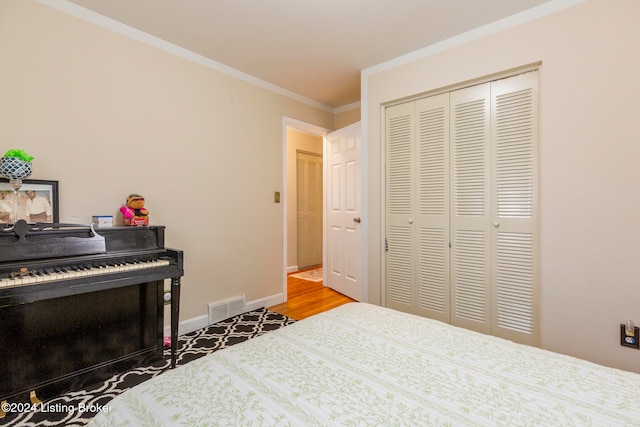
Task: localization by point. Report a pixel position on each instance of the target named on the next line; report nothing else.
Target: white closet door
(461, 193)
(514, 191)
(400, 260)
(432, 210)
(470, 208)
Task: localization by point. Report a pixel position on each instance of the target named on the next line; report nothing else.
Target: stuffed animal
(134, 212)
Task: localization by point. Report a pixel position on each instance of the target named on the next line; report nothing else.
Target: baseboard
(195, 323)
(189, 325)
(292, 269)
(266, 302)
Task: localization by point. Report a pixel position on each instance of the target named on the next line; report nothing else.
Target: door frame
(298, 125)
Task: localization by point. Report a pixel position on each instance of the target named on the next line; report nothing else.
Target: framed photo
(37, 201)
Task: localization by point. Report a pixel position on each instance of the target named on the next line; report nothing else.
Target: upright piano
(78, 306)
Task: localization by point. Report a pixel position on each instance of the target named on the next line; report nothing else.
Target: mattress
(363, 365)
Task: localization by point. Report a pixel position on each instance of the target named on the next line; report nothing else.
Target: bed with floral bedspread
(364, 365)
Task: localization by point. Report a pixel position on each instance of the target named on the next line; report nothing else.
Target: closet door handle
(410, 220)
(496, 224)
(356, 220)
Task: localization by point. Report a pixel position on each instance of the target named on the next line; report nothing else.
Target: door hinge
(386, 245)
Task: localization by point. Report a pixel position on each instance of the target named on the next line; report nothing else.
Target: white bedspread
(364, 365)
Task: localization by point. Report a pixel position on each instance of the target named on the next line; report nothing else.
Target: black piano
(78, 306)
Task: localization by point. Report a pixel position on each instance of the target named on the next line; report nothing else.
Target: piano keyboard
(32, 277)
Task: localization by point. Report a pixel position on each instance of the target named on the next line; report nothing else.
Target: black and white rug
(76, 408)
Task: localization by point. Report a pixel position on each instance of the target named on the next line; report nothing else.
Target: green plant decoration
(19, 154)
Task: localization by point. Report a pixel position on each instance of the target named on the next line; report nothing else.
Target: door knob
(356, 220)
(496, 224)
(410, 221)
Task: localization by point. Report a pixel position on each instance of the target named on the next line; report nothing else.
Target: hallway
(306, 298)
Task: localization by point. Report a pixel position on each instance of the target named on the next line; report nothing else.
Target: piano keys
(67, 271)
(78, 306)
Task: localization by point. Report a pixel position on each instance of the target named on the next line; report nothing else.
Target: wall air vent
(225, 309)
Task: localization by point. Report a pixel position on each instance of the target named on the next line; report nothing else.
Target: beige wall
(106, 116)
(345, 118)
(309, 143)
(589, 153)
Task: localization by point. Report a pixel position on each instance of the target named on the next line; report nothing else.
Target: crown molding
(146, 38)
(348, 107)
(475, 34)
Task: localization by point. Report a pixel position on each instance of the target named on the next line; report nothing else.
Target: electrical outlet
(276, 197)
(628, 340)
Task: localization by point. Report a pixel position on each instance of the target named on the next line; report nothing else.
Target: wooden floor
(306, 298)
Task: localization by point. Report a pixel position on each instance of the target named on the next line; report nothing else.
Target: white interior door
(343, 259)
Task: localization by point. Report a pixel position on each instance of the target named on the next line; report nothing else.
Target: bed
(360, 364)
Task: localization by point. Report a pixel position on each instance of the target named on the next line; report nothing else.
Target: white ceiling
(314, 48)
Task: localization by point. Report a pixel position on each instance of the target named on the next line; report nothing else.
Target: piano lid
(48, 240)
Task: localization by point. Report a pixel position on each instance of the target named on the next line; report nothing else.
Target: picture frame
(42, 192)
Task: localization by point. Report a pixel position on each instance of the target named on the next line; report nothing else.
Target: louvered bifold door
(470, 208)
(432, 214)
(514, 208)
(400, 244)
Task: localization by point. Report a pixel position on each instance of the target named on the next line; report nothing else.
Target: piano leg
(175, 313)
(33, 398)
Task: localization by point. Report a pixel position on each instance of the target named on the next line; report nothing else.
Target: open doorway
(304, 216)
(309, 194)
(303, 227)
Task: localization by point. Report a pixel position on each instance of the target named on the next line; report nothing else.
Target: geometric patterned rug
(65, 410)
